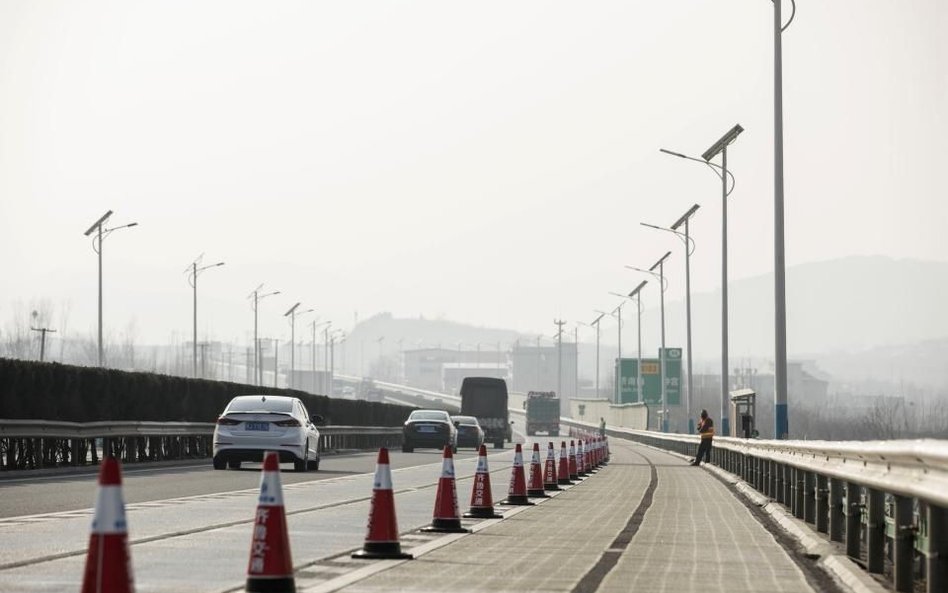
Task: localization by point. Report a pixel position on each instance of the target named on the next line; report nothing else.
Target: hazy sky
(487, 162)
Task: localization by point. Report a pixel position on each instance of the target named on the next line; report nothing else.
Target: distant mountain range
(857, 317)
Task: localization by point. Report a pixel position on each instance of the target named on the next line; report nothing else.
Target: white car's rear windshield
(428, 416)
(465, 419)
(256, 404)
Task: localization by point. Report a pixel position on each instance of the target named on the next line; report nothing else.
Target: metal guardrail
(886, 500)
(34, 444)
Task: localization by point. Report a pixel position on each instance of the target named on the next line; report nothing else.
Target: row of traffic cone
(108, 566)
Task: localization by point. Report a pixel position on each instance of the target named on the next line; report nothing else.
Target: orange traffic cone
(381, 537)
(270, 568)
(572, 461)
(108, 563)
(549, 470)
(517, 492)
(482, 502)
(564, 466)
(535, 487)
(447, 517)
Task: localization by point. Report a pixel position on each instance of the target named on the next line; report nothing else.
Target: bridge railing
(35, 444)
(886, 501)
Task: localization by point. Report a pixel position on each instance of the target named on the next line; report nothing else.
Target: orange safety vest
(706, 428)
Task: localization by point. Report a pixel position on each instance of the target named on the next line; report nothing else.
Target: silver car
(253, 424)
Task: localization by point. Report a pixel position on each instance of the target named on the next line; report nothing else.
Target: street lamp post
(193, 271)
(721, 147)
(781, 422)
(256, 296)
(332, 356)
(595, 324)
(313, 326)
(660, 264)
(292, 315)
(617, 315)
(637, 295)
(689, 249)
(559, 323)
(101, 233)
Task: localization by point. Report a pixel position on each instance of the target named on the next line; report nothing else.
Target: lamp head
(672, 152)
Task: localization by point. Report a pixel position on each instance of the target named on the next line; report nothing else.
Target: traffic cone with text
(580, 459)
(482, 502)
(535, 486)
(517, 492)
(270, 568)
(572, 461)
(447, 517)
(549, 470)
(563, 471)
(108, 563)
(381, 538)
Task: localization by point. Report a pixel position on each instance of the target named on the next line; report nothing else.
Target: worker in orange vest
(706, 430)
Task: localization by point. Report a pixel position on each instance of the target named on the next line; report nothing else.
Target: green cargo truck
(543, 413)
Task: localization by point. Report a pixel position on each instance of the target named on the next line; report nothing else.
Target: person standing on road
(706, 430)
(602, 426)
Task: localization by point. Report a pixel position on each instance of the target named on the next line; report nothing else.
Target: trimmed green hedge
(31, 390)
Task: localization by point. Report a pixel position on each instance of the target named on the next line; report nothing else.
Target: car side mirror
(317, 419)
(457, 424)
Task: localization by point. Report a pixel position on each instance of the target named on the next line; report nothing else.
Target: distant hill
(859, 318)
(848, 304)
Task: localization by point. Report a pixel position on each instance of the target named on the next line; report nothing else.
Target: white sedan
(253, 424)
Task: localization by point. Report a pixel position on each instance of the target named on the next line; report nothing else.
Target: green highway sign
(651, 387)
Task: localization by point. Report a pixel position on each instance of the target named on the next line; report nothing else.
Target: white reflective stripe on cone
(383, 478)
(109, 511)
(271, 494)
(447, 468)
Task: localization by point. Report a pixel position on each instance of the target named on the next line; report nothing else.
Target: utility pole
(43, 331)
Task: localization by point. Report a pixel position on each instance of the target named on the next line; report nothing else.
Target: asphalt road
(40, 493)
(189, 527)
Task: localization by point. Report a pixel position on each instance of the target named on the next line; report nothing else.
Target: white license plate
(258, 426)
(426, 429)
